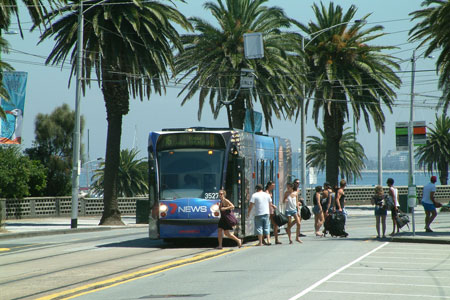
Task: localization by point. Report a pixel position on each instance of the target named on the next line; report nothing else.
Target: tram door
(235, 187)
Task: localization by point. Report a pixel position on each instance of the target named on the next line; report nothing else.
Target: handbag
(279, 218)
(305, 212)
(402, 219)
(230, 219)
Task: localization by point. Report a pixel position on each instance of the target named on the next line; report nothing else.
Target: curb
(5, 236)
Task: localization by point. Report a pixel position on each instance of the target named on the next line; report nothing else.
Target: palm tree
(351, 154)
(129, 44)
(132, 179)
(345, 70)
(36, 10)
(435, 154)
(434, 29)
(213, 59)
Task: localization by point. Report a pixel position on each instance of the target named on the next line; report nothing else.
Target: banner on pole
(11, 128)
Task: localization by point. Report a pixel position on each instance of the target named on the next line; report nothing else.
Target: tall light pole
(76, 166)
(411, 179)
(76, 130)
(302, 107)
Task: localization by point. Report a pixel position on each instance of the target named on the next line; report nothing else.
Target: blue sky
(48, 85)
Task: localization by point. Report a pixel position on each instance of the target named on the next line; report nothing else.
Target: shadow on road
(169, 244)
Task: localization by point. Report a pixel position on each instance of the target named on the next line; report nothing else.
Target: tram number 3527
(211, 196)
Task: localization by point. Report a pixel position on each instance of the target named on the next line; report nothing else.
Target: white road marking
(383, 294)
(307, 290)
(393, 284)
(401, 262)
(397, 269)
(393, 275)
(407, 258)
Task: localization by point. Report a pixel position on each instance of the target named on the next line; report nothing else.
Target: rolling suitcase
(335, 225)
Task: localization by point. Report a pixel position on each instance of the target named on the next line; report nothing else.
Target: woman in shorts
(292, 207)
(380, 211)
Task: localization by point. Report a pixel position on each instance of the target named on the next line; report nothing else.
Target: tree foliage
(129, 47)
(214, 56)
(351, 154)
(435, 154)
(345, 70)
(434, 30)
(132, 179)
(53, 148)
(19, 176)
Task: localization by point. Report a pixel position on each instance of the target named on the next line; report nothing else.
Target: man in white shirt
(429, 204)
(393, 195)
(261, 201)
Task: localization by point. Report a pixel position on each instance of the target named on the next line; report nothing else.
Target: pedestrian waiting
(429, 203)
(379, 200)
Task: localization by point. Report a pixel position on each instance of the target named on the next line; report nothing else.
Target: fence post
(2, 211)
(32, 208)
(82, 206)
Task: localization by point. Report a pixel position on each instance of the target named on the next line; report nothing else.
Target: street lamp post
(76, 130)
(411, 179)
(302, 107)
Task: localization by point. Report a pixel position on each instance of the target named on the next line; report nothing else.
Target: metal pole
(411, 181)
(380, 159)
(302, 136)
(354, 139)
(76, 131)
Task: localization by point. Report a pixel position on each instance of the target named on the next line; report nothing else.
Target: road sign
(253, 45)
(247, 78)
(401, 134)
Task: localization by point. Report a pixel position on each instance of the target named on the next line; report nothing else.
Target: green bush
(19, 176)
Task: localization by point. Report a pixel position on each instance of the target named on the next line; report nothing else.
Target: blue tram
(188, 167)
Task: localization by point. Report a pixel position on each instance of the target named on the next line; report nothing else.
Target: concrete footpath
(21, 228)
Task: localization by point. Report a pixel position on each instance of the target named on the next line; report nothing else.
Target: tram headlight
(215, 210)
(163, 210)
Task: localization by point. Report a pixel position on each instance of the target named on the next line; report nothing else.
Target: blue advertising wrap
(11, 128)
(188, 217)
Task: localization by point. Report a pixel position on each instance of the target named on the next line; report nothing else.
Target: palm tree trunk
(238, 111)
(333, 127)
(443, 172)
(115, 94)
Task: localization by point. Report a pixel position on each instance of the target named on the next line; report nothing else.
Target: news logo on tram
(188, 167)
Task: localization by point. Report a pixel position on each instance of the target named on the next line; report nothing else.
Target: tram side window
(262, 178)
(272, 177)
(232, 192)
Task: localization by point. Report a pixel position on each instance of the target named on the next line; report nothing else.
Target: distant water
(371, 178)
(368, 178)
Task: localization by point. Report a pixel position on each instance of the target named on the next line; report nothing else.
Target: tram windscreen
(190, 173)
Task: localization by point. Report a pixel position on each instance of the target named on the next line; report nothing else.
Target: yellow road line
(98, 286)
(4, 249)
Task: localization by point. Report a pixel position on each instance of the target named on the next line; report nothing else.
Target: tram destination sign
(190, 140)
(401, 134)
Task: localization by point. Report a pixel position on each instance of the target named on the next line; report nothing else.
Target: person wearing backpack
(393, 198)
(379, 200)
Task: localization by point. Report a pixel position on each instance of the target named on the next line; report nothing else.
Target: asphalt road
(124, 264)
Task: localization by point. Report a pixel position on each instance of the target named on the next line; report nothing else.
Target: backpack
(388, 203)
(305, 212)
